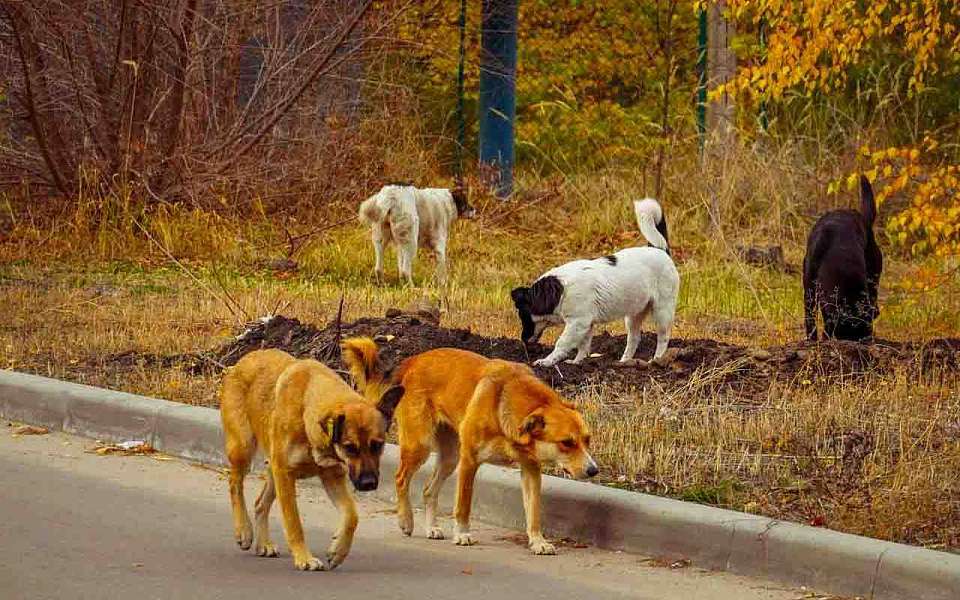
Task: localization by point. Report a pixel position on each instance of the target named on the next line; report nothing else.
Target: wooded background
(304, 102)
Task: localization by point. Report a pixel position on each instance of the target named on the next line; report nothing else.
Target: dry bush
(209, 102)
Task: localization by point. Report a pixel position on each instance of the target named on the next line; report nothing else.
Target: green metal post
(702, 84)
(764, 120)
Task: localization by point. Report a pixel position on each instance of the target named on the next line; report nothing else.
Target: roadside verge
(613, 519)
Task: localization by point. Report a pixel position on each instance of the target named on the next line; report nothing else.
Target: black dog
(841, 271)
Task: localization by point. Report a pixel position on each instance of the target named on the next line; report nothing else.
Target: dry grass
(878, 455)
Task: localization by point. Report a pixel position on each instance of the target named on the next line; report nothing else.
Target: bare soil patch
(744, 370)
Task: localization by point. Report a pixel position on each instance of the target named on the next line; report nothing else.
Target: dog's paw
(542, 547)
(435, 533)
(406, 524)
(310, 563)
(336, 556)
(544, 362)
(464, 539)
(244, 539)
(268, 549)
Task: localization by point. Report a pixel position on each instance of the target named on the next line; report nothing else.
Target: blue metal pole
(498, 68)
(461, 118)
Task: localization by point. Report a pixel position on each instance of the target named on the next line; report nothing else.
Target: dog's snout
(592, 470)
(366, 482)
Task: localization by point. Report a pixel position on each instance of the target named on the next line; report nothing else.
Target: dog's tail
(370, 211)
(868, 206)
(651, 222)
(362, 357)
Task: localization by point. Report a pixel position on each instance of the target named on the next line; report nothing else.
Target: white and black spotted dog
(630, 285)
(411, 217)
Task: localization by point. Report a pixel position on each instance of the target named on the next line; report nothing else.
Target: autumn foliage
(825, 46)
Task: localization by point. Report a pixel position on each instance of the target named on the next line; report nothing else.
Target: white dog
(627, 285)
(412, 217)
(652, 222)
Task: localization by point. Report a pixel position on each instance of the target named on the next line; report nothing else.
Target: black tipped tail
(868, 206)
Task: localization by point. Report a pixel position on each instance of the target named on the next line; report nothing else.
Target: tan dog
(308, 422)
(494, 411)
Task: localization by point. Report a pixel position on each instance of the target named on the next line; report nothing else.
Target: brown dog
(493, 411)
(308, 422)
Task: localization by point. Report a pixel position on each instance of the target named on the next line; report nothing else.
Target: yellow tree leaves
(811, 44)
(818, 45)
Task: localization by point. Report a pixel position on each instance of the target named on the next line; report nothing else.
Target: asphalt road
(74, 524)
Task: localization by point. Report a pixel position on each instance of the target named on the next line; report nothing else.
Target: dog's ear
(388, 402)
(520, 296)
(531, 427)
(336, 429)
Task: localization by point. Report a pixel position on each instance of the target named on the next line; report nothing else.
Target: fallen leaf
(130, 444)
(30, 430)
(123, 449)
(467, 571)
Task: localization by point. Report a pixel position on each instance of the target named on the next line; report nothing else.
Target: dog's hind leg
(466, 473)
(411, 457)
(448, 447)
(335, 482)
(261, 511)
(405, 255)
(406, 242)
(239, 466)
(663, 321)
(378, 253)
(633, 324)
(241, 444)
(809, 305)
(530, 480)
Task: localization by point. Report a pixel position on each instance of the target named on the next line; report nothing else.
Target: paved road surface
(79, 525)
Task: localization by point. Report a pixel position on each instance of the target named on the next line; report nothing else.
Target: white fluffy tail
(374, 209)
(649, 215)
(370, 212)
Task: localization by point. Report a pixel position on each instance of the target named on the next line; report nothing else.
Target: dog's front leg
(583, 350)
(286, 487)
(467, 471)
(335, 482)
(573, 333)
(530, 478)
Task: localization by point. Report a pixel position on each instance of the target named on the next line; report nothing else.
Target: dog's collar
(327, 433)
(323, 453)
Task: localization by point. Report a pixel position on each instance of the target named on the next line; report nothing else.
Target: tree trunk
(721, 136)
(721, 68)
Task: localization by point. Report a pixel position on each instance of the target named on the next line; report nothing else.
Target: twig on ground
(189, 273)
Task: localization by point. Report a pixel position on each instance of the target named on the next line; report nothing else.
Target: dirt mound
(705, 362)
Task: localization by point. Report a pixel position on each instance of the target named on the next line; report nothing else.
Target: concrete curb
(605, 517)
